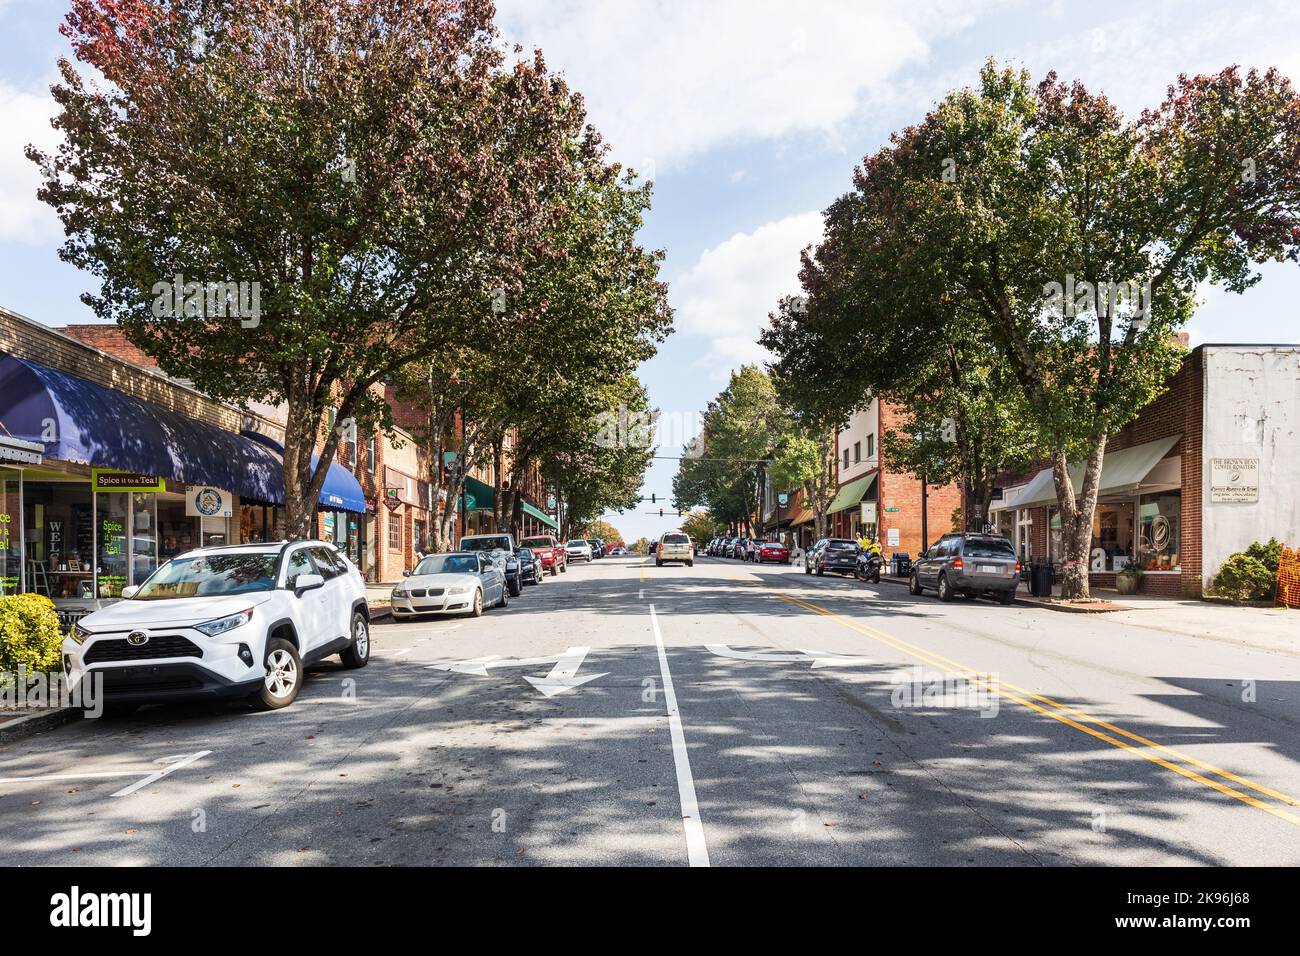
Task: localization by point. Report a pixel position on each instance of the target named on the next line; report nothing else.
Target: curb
(37, 723)
(1033, 602)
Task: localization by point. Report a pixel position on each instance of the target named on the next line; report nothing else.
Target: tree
(362, 182)
(603, 530)
(724, 470)
(702, 527)
(808, 462)
(1078, 240)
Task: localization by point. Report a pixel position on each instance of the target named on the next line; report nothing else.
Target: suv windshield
(447, 564)
(211, 574)
(496, 542)
(988, 548)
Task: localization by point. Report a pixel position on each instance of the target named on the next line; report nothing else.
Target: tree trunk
(301, 485)
(1076, 517)
(977, 498)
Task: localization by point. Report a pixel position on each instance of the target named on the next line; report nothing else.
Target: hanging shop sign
(1234, 480)
(108, 479)
(21, 452)
(868, 512)
(392, 498)
(204, 501)
(783, 499)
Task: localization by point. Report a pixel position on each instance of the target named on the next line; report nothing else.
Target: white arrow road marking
(818, 658)
(562, 678)
(150, 776)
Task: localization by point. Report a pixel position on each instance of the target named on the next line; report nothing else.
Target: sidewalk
(377, 599)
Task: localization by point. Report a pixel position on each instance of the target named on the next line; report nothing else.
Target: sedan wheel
(476, 608)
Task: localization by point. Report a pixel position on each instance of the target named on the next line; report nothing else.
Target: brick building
(1207, 468)
(873, 498)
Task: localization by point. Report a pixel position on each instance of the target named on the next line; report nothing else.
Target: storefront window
(10, 553)
(1112, 536)
(1161, 525)
(58, 529)
(111, 543)
(144, 537)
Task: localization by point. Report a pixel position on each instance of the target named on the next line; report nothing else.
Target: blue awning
(81, 421)
(341, 490)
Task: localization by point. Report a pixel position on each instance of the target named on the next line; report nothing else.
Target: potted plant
(1129, 577)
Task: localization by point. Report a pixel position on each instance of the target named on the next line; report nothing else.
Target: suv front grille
(168, 645)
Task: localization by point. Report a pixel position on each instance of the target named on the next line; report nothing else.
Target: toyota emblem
(137, 638)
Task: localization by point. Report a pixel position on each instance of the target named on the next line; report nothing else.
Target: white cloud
(667, 80)
(25, 118)
(726, 295)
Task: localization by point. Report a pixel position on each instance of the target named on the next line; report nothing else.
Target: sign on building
(204, 501)
(1234, 480)
(868, 512)
(892, 538)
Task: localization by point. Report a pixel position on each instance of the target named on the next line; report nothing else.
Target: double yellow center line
(1073, 717)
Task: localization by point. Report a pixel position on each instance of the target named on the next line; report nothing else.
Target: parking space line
(697, 851)
(147, 776)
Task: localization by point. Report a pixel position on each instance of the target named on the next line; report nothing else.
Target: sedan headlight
(399, 592)
(223, 624)
(79, 633)
(463, 589)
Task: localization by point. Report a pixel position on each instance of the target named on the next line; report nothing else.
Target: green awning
(1122, 472)
(541, 516)
(479, 496)
(851, 494)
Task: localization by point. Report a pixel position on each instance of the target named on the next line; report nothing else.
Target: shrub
(29, 633)
(1269, 555)
(1245, 578)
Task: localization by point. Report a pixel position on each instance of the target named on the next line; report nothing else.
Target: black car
(530, 568)
(839, 555)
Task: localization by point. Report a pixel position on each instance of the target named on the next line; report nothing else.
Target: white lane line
(697, 852)
(147, 776)
(159, 774)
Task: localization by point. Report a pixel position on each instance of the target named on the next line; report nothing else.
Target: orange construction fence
(1288, 578)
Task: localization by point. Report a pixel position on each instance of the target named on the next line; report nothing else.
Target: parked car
(530, 567)
(773, 551)
(502, 549)
(839, 555)
(970, 565)
(549, 551)
(233, 621)
(461, 582)
(650, 548)
(579, 550)
(735, 548)
(675, 546)
(597, 547)
(618, 552)
(751, 549)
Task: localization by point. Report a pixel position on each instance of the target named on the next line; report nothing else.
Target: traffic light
(652, 498)
(661, 512)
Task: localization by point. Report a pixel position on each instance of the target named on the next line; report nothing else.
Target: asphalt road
(722, 713)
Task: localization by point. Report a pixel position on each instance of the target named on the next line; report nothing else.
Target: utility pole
(925, 516)
(464, 474)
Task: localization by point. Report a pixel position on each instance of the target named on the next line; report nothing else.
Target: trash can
(1040, 580)
(900, 564)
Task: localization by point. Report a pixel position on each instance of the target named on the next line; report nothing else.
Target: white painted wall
(862, 424)
(1252, 410)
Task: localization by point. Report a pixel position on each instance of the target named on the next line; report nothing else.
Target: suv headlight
(79, 633)
(223, 624)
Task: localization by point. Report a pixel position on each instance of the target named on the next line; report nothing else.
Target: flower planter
(1127, 583)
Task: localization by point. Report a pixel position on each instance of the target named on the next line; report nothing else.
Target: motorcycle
(869, 565)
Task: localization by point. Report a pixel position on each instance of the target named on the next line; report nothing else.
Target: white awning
(1122, 472)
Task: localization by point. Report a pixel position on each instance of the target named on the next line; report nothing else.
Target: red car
(549, 551)
(773, 551)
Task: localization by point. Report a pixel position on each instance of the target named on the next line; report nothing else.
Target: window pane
(1161, 531)
(1112, 536)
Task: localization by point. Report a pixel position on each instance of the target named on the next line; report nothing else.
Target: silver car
(463, 582)
(579, 550)
(970, 565)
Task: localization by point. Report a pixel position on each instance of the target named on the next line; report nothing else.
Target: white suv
(235, 621)
(675, 546)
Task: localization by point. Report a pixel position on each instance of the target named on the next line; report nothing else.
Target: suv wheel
(945, 589)
(357, 654)
(283, 680)
(1007, 597)
(806, 569)
(821, 572)
(516, 586)
(914, 585)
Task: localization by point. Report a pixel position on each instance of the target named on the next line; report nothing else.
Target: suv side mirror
(307, 582)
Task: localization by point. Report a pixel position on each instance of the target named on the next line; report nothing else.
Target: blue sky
(750, 117)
